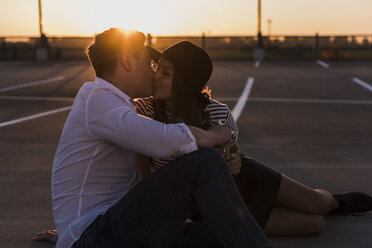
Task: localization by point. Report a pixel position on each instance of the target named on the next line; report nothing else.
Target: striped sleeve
(145, 106)
(221, 114)
(231, 125)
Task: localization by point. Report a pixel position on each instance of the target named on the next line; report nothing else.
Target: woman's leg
(296, 196)
(287, 222)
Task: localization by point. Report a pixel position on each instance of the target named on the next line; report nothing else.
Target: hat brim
(154, 54)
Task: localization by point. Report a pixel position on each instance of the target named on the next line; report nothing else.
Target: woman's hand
(233, 160)
(234, 163)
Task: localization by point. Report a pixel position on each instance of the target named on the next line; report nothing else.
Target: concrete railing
(276, 46)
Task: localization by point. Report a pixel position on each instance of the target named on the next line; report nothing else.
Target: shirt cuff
(191, 145)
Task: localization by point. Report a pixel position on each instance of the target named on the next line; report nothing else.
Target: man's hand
(215, 136)
(222, 135)
(47, 235)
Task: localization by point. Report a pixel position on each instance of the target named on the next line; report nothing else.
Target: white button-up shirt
(95, 162)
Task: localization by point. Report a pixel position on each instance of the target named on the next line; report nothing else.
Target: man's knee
(211, 155)
(209, 158)
(202, 162)
(208, 151)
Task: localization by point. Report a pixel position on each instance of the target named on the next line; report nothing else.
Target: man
(98, 197)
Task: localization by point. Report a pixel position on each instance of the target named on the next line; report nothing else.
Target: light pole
(259, 35)
(259, 53)
(42, 46)
(40, 20)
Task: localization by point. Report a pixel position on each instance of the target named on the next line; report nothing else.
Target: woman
(280, 205)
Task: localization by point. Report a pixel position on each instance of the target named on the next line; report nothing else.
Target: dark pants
(258, 185)
(153, 213)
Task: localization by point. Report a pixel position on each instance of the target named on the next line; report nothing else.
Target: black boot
(352, 203)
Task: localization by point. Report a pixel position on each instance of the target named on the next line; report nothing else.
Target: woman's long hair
(188, 104)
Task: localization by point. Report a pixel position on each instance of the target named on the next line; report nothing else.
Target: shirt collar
(116, 90)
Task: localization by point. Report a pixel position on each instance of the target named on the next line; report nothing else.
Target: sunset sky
(186, 17)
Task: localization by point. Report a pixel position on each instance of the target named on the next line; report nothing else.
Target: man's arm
(109, 118)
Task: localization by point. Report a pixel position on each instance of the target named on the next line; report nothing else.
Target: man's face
(144, 75)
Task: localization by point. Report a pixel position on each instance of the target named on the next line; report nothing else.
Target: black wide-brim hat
(191, 62)
(153, 53)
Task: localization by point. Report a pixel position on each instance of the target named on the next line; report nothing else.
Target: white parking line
(38, 98)
(296, 100)
(242, 99)
(44, 81)
(361, 83)
(322, 63)
(27, 118)
(257, 64)
(309, 100)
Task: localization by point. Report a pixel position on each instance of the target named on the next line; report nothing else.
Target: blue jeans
(153, 213)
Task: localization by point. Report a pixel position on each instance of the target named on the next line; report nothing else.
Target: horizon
(193, 35)
(192, 18)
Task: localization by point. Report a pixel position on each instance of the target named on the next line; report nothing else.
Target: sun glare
(129, 16)
(191, 17)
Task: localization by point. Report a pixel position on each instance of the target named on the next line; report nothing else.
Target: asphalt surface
(309, 122)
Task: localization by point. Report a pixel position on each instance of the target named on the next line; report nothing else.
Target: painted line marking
(310, 100)
(297, 100)
(44, 81)
(243, 99)
(38, 98)
(362, 83)
(322, 63)
(257, 64)
(27, 118)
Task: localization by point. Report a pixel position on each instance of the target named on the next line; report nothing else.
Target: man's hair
(108, 46)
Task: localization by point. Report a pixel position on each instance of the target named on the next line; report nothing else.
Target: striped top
(219, 114)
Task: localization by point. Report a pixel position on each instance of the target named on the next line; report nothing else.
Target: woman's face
(163, 80)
